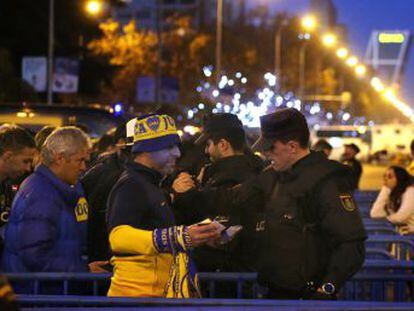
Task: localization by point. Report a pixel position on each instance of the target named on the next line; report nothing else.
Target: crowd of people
(155, 210)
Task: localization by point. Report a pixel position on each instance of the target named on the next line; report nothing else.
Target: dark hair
(412, 146)
(321, 145)
(120, 133)
(404, 180)
(300, 136)
(103, 143)
(236, 139)
(41, 136)
(14, 138)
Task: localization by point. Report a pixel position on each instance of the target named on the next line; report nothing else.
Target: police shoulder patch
(347, 202)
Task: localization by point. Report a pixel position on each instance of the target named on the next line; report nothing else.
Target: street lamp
(309, 24)
(278, 44)
(342, 53)
(377, 84)
(219, 35)
(302, 59)
(94, 7)
(352, 61)
(329, 40)
(360, 70)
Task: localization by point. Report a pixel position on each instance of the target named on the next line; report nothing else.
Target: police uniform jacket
(47, 226)
(137, 206)
(313, 230)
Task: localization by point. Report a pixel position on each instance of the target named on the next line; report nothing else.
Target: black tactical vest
(295, 250)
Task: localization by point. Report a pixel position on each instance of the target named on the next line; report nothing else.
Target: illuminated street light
(309, 22)
(94, 7)
(352, 61)
(389, 94)
(342, 53)
(329, 40)
(377, 84)
(360, 70)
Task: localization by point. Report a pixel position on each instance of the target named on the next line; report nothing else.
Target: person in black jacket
(231, 163)
(355, 167)
(98, 182)
(17, 150)
(314, 235)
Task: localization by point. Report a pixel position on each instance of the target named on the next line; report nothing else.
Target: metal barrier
(377, 222)
(375, 253)
(365, 197)
(380, 229)
(53, 303)
(376, 279)
(402, 247)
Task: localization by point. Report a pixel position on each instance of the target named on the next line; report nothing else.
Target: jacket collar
(307, 160)
(71, 194)
(152, 175)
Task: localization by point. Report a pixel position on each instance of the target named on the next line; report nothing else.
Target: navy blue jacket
(47, 226)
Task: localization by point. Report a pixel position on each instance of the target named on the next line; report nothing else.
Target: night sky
(361, 17)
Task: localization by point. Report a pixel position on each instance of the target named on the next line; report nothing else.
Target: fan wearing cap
(149, 250)
(314, 235)
(232, 162)
(349, 158)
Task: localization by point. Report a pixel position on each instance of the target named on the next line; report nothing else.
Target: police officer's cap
(279, 125)
(219, 124)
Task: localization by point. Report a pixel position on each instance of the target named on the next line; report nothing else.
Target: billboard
(65, 75)
(146, 90)
(34, 72)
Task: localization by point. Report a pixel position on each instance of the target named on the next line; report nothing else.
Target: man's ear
(58, 158)
(293, 145)
(7, 155)
(223, 144)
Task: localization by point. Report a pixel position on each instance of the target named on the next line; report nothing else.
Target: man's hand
(202, 234)
(183, 183)
(97, 266)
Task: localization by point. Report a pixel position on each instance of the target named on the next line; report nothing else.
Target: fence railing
(378, 280)
(29, 302)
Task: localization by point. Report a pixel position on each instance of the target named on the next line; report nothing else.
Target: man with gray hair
(47, 226)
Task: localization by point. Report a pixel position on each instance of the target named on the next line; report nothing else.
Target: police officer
(314, 236)
(231, 163)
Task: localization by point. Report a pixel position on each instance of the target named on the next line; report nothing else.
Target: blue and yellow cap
(154, 132)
